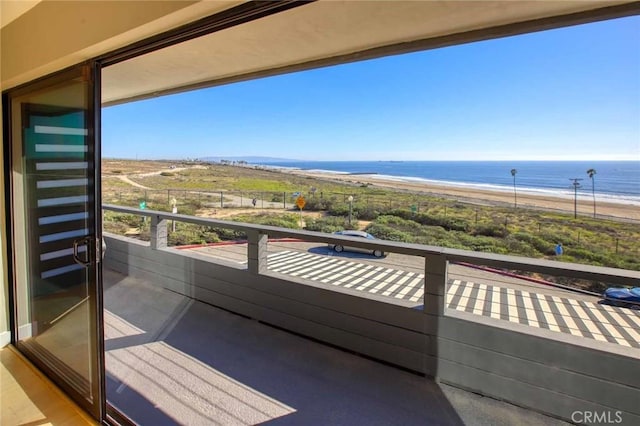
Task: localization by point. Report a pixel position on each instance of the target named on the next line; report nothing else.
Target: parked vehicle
(623, 297)
(361, 234)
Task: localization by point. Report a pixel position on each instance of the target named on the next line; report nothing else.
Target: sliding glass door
(57, 229)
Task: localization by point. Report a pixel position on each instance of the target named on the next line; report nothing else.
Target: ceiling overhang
(329, 32)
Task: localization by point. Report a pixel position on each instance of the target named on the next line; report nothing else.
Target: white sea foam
(550, 192)
(630, 200)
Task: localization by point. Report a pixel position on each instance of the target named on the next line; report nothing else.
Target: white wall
(4, 284)
(54, 35)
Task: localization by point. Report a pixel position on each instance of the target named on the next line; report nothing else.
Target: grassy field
(210, 189)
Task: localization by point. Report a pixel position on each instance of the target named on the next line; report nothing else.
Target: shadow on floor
(174, 360)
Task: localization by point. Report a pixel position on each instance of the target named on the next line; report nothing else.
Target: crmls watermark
(597, 417)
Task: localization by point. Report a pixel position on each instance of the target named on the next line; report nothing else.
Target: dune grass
(393, 215)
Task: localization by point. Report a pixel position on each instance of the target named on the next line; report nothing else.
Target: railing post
(257, 252)
(435, 283)
(435, 295)
(158, 232)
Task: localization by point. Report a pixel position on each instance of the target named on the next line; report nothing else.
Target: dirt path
(126, 179)
(222, 213)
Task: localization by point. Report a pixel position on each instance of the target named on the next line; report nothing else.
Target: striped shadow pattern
(341, 272)
(560, 314)
(576, 317)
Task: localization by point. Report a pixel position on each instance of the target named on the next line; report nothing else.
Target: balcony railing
(547, 359)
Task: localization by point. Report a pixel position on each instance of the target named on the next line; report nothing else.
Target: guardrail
(436, 257)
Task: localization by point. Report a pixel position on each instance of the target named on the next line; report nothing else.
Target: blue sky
(566, 94)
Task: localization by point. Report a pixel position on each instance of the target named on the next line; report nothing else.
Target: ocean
(615, 181)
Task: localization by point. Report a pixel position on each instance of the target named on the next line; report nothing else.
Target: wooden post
(257, 252)
(435, 283)
(158, 232)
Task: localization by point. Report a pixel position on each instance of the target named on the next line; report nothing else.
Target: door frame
(91, 70)
(240, 14)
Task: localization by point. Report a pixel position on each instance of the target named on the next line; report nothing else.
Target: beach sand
(488, 197)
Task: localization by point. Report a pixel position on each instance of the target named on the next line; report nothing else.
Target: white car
(348, 233)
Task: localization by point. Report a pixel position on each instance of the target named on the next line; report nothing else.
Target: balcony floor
(173, 360)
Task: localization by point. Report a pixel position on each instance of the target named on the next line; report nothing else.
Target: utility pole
(515, 194)
(576, 184)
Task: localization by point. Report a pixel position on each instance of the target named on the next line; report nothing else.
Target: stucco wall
(56, 34)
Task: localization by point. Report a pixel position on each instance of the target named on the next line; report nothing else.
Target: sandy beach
(487, 197)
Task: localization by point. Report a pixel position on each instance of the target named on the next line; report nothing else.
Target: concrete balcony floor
(173, 360)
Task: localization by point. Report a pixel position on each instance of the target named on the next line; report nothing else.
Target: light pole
(350, 199)
(576, 185)
(515, 194)
(174, 210)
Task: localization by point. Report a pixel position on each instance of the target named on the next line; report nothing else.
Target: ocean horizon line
(612, 196)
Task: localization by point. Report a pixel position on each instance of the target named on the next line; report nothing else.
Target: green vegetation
(391, 215)
(329, 224)
(287, 220)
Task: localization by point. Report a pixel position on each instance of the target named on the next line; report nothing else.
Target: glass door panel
(56, 253)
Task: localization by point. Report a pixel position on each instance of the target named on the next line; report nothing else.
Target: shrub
(559, 236)
(516, 246)
(129, 220)
(388, 233)
(339, 209)
(192, 236)
(328, 224)
(283, 220)
(167, 174)
(450, 223)
(542, 246)
(317, 204)
(490, 230)
(389, 219)
(482, 243)
(227, 234)
(186, 209)
(366, 213)
(591, 257)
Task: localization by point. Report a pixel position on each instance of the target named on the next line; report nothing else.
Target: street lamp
(576, 185)
(350, 199)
